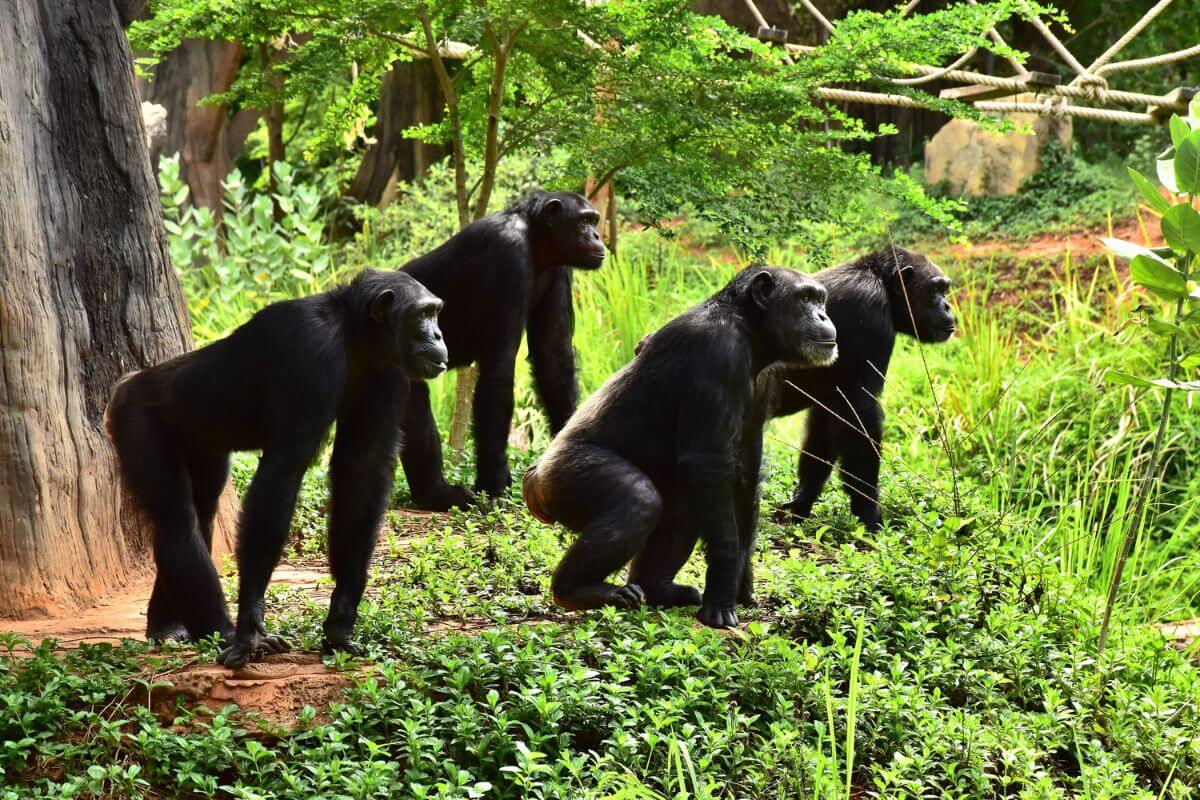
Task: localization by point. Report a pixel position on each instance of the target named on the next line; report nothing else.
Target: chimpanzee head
(407, 313)
(562, 229)
(790, 309)
(917, 294)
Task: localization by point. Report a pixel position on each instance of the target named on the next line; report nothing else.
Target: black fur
(669, 449)
(871, 300)
(276, 384)
(507, 275)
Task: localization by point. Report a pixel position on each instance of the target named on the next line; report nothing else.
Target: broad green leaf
(1181, 228)
(1187, 164)
(1164, 166)
(1116, 376)
(1194, 107)
(1127, 250)
(1179, 130)
(1149, 191)
(1159, 277)
(1164, 328)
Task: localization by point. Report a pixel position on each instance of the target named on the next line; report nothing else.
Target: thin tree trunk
(87, 294)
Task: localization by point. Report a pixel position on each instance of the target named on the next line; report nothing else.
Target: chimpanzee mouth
(431, 368)
(821, 354)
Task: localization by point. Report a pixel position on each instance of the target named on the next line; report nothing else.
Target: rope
(1060, 111)
(874, 98)
(817, 15)
(1058, 46)
(937, 73)
(1119, 44)
(1018, 85)
(1152, 61)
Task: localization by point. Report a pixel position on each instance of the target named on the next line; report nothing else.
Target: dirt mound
(272, 692)
(1050, 246)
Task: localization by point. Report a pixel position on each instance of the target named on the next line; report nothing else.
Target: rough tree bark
(409, 96)
(208, 137)
(87, 293)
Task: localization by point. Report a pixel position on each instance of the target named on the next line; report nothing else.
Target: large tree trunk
(208, 137)
(87, 294)
(410, 96)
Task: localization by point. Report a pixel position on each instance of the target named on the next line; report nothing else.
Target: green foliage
(229, 271)
(678, 108)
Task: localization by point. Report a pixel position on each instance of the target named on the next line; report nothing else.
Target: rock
(970, 161)
(154, 120)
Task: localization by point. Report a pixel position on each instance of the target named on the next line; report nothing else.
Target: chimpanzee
(890, 291)
(275, 384)
(502, 276)
(668, 450)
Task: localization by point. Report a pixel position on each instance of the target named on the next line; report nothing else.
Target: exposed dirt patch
(273, 691)
(1181, 634)
(1051, 246)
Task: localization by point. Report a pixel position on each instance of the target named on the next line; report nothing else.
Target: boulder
(971, 161)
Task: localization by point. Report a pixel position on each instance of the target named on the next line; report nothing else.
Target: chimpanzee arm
(493, 413)
(551, 325)
(708, 436)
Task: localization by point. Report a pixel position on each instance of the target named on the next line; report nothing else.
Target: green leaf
(1149, 191)
(1164, 328)
(1164, 166)
(1181, 228)
(1194, 107)
(1179, 130)
(1187, 164)
(1116, 376)
(1159, 277)
(1126, 250)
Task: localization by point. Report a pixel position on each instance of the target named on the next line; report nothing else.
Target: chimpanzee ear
(761, 287)
(381, 304)
(553, 208)
(906, 271)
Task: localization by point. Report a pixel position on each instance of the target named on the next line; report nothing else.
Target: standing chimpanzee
(277, 383)
(500, 277)
(870, 300)
(668, 450)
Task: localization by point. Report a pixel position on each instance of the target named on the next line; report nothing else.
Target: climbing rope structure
(1087, 95)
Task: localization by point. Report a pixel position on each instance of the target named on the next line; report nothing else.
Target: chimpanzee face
(796, 327)
(415, 339)
(919, 284)
(570, 220)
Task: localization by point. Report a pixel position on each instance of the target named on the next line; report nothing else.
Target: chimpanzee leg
(187, 589)
(493, 411)
(422, 457)
(207, 474)
(817, 457)
(747, 522)
(859, 446)
(613, 507)
(667, 550)
(262, 533)
(361, 473)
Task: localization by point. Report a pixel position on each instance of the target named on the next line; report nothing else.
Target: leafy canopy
(678, 109)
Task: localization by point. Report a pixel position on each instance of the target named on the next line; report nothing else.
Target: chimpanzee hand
(253, 647)
(717, 617)
(795, 510)
(444, 497)
(494, 484)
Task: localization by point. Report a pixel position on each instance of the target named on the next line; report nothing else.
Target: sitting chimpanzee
(668, 450)
(277, 383)
(501, 277)
(870, 300)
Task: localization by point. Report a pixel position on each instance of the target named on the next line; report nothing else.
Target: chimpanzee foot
(168, 633)
(672, 595)
(602, 594)
(244, 649)
(717, 617)
(793, 511)
(444, 497)
(342, 643)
